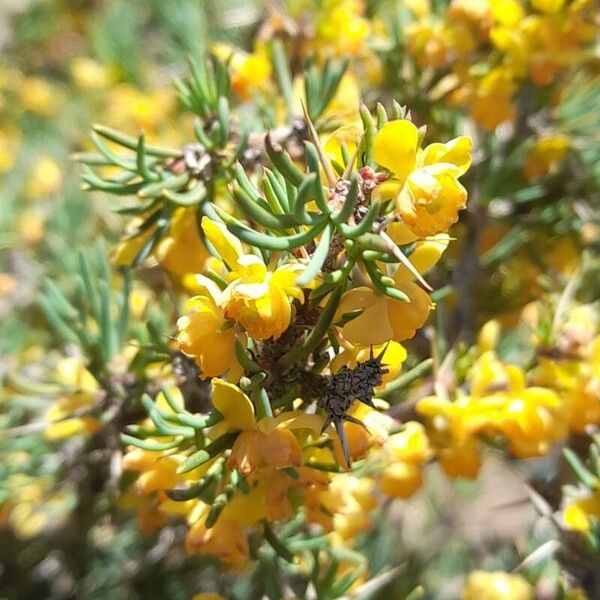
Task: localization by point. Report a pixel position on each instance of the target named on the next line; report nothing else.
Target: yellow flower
(578, 386)
(513, 43)
(492, 103)
(407, 452)
(454, 426)
(425, 184)
(429, 42)
(385, 318)
(72, 373)
(487, 375)
(462, 460)
(545, 155)
(482, 585)
(134, 109)
(87, 74)
(249, 72)
(530, 418)
(45, 179)
(579, 514)
(401, 480)
(341, 28)
(507, 12)
(348, 135)
(10, 141)
(226, 540)
(257, 298)
(158, 472)
(351, 501)
(182, 251)
(410, 445)
(204, 332)
(269, 441)
(38, 96)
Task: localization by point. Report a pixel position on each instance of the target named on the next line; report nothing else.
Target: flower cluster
(303, 288)
(283, 339)
(528, 411)
(529, 43)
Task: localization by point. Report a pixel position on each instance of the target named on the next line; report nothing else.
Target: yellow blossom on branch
(425, 181)
(482, 585)
(257, 297)
(384, 318)
(204, 333)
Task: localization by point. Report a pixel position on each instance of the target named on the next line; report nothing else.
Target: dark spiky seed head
(346, 386)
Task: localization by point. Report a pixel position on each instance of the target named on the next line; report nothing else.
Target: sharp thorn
(368, 402)
(314, 138)
(327, 423)
(383, 351)
(354, 420)
(393, 249)
(339, 427)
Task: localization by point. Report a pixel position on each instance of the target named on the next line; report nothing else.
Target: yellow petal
(456, 152)
(182, 251)
(388, 190)
(251, 268)
(128, 248)
(296, 419)
(406, 317)
(233, 404)
(370, 327)
(281, 449)
(400, 233)
(507, 12)
(548, 6)
(578, 515)
(246, 453)
(410, 445)
(228, 246)
(462, 460)
(395, 147)
(488, 336)
(348, 135)
(516, 378)
(401, 480)
(426, 254)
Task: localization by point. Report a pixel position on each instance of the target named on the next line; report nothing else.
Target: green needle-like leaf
(130, 142)
(318, 258)
(354, 231)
